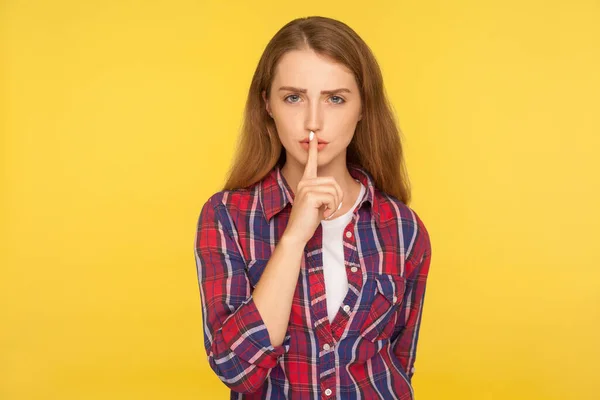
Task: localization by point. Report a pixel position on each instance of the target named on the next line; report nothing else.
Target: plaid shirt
(367, 351)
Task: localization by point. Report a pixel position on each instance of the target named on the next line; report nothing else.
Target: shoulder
(230, 202)
(409, 224)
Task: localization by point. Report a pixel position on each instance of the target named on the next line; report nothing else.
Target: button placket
(355, 282)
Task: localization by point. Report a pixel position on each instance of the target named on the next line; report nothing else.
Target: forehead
(306, 68)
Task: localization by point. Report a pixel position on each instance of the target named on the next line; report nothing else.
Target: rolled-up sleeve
(236, 339)
(417, 268)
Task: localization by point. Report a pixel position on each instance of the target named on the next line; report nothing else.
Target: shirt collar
(275, 193)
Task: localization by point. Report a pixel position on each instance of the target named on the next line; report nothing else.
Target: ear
(264, 96)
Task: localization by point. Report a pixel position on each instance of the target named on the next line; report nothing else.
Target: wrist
(290, 239)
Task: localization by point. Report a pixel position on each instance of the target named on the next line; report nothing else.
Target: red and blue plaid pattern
(367, 351)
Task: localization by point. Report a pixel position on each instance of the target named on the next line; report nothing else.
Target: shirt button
(353, 269)
(326, 346)
(412, 370)
(395, 299)
(348, 234)
(346, 308)
(328, 392)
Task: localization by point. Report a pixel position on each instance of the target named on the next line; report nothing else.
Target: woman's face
(310, 92)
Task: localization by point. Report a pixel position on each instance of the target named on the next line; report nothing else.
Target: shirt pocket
(384, 309)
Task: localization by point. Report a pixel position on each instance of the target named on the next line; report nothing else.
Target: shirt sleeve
(417, 267)
(236, 339)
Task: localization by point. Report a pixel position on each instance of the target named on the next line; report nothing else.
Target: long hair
(376, 144)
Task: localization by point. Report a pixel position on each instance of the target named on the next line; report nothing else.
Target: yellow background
(119, 119)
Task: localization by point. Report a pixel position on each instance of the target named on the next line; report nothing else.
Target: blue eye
(293, 95)
(338, 102)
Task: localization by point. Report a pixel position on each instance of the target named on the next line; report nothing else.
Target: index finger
(310, 170)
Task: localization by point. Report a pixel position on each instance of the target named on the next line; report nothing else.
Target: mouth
(320, 145)
(320, 141)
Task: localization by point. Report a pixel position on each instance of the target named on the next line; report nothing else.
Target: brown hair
(376, 144)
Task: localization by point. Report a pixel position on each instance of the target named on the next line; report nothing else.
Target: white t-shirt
(336, 280)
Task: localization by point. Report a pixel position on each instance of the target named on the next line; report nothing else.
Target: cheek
(345, 127)
(351, 116)
(284, 131)
(289, 126)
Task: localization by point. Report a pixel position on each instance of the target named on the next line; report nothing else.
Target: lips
(320, 141)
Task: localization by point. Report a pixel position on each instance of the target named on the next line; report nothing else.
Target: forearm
(274, 292)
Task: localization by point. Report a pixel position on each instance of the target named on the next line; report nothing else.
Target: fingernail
(311, 136)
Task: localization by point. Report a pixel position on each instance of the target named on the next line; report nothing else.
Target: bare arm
(274, 292)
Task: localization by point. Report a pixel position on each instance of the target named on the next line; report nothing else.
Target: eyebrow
(334, 91)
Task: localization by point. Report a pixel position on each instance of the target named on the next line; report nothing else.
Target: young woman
(311, 265)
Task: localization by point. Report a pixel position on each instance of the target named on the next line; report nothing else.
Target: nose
(314, 116)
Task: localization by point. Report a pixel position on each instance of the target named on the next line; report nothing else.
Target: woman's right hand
(315, 199)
